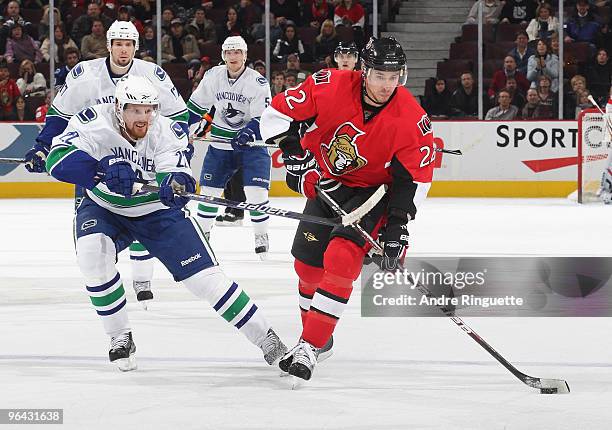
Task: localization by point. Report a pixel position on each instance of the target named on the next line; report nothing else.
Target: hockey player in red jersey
(363, 129)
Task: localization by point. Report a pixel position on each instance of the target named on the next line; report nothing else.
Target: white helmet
(122, 30)
(136, 90)
(234, 42)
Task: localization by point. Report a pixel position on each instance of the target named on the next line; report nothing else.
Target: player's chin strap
(546, 386)
(122, 69)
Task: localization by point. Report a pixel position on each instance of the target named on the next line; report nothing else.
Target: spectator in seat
(248, 13)
(286, 11)
(291, 77)
(148, 45)
(518, 11)
(582, 27)
(464, 101)
(8, 92)
(583, 102)
(504, 111)
(196, 73)
(72, 57)
(30, 83)
(260, 67)
(62, 42)
(598, 77)
(547, 97)
(317, 12)
(258, 32)
(178, 46)
(544, 63)
(41, 111)
(202, 28)
(20, 46)
(293, 65)
(570, 98)
(532, 109)
(517, 99)
(22, 111)
(43, 25)
(437, 103)
(13, 11)
(231, 27)
(125, 13)
(500, 76)
(522, 51)
(94, 45)
(491, 10)
(290, 43)
(278, 82)
(325, 42)
(349, 13)
(168, 15)
(544, 24)
(83, 25)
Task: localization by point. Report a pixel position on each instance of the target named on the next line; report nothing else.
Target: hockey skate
(122, 350)
(322, 354)
(143, 292)
(304, 361)
(228, 219)
(273, 348)
(262, 245)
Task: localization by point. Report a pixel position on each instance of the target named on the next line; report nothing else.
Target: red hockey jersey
(349, 149)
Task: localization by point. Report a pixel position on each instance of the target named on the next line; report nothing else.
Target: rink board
(500, 159)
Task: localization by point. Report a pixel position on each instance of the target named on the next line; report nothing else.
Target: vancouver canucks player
(230, 99)
(105, 149)
(93, 82)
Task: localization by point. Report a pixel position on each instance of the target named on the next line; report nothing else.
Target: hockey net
(592, 154)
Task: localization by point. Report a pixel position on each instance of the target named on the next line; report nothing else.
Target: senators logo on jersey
(341, 155)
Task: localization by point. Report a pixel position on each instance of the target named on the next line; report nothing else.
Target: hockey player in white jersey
(107, 149)
(229, 100)
(605, 190)
(93, 82)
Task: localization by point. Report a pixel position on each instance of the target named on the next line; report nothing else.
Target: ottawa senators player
(365, 130)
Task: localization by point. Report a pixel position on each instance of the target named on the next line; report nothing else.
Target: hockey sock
(309, 279)
(230, 302)
(208, 212)
(142, 262)
(260, 220)
(342, 264)
(96, 257)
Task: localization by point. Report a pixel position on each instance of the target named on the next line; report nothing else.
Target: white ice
(195, 372)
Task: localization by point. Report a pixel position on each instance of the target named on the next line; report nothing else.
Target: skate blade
(324, 355)
(145, 304)
(263, 256)
(296, 383)
(126, 364)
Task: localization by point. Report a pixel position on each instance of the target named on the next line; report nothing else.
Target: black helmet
(384, 54)
(346, 48)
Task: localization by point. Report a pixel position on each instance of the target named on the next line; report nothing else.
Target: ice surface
(195, 372)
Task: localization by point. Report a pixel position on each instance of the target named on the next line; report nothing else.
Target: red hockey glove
(302, 173)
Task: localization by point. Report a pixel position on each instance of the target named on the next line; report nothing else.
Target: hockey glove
(203, 126)
(246, 136)
(36, 157)
(606, 186)
(117, 174)
(395, 238)
(302, 173)
(172, 186)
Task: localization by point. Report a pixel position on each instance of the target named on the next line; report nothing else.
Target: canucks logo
(233, 117)
(341, 155)
(159, 72)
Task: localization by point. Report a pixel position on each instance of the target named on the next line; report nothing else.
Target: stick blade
(356, 215)
(554, 386)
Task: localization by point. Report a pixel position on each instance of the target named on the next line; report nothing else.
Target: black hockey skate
(229, 219)
(322, 354)
(143, 292)
(122, 352)
(262, 244)
(304, 361)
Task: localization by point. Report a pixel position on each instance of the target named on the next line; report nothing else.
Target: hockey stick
(274, 146)
(546, 386)
(346, 219)
(12, 160)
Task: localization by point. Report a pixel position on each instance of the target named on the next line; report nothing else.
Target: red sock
(310, 277)
(342, 263)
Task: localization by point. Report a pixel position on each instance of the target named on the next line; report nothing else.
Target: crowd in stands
(304, 34)
(521, 62)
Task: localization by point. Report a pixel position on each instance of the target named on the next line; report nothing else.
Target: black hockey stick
(546, 386)
(346, 219)
(12, 160)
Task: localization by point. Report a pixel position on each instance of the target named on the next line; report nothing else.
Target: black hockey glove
(395, 237)
(302, 173)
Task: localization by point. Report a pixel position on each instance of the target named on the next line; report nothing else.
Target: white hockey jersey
(235, 104)
(90, 83)
(94, 133)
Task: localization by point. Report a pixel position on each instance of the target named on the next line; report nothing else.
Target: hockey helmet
(346, 48)
(384, 54)
(122, 30)
(136, 90)
(234, 42)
